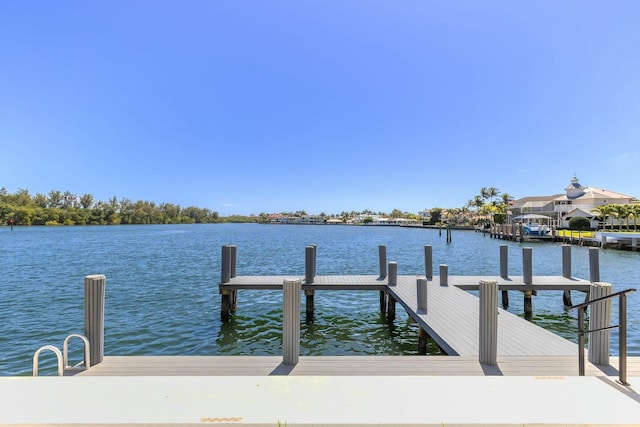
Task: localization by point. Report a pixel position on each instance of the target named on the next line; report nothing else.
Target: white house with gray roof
(576, 201)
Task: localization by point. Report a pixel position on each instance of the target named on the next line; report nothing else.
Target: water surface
(162, 287)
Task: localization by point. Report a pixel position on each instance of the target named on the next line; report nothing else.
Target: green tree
(40, 200)
(622, 213)
(435, 215)
(22, 198)
(86, 201)
(603, 212)
(579, 223)
(634, 209)
(396, 213)
(55, 199)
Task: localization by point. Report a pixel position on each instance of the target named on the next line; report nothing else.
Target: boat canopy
(532, 216)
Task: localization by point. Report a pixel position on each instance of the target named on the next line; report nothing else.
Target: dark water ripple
(162, 296)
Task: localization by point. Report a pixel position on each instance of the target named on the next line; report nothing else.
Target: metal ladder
(63, 357)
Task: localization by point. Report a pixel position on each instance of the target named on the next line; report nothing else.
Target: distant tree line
(65, 208)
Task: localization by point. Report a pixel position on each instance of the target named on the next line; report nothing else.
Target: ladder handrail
(622, 324)
(65, 351)
(55, 351)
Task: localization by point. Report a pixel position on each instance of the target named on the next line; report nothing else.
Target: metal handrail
(65, 351)
(55, 351)
(63, 357)
(622, 324)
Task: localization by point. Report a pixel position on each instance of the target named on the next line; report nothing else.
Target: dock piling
(428, 262)
(291, 321)
(599, 318)
(504, 272)
(309, 278)
(383, 303)
(391, 308)
(566, 272)
(504, 261)
(382, 256)
(94, 294)
(393, 273)
(233, 250)
(422, 341)
(309, 275)
(309, 305)
(392, 280)
(527, 278)
(421, 291)
(225, 266)
(594, 265)
(228, 298)
(527, 262)
(488, 351)
(444, 275)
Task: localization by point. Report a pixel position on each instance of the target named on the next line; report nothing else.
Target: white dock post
(421, 290)
(594, 265)
(428, 262)
(488, 350)
(566, 272)
(444, 275)
(94, 294)
(291, 322)
(382, 256)
(600, 317)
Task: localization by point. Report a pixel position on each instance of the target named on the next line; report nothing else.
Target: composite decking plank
(453, 318)
(350, 366)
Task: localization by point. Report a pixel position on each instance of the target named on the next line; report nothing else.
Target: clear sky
(323, 106)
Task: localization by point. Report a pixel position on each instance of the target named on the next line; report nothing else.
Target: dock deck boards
(372, 282)
(350, 366)
(452, 318)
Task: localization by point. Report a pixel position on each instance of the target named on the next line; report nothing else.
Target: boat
(536, 229)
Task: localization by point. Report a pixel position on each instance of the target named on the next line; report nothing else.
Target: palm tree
(493, 192)
(484, 193)
(635, 211)
(478, 202)
(622, 213)
(603, 212)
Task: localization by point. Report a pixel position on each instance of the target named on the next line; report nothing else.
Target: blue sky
(267, 106)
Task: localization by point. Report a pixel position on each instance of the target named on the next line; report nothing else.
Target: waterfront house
(311, 219)
(577, 200)
(425, 216)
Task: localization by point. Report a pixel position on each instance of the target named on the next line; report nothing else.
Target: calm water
(162, 295)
